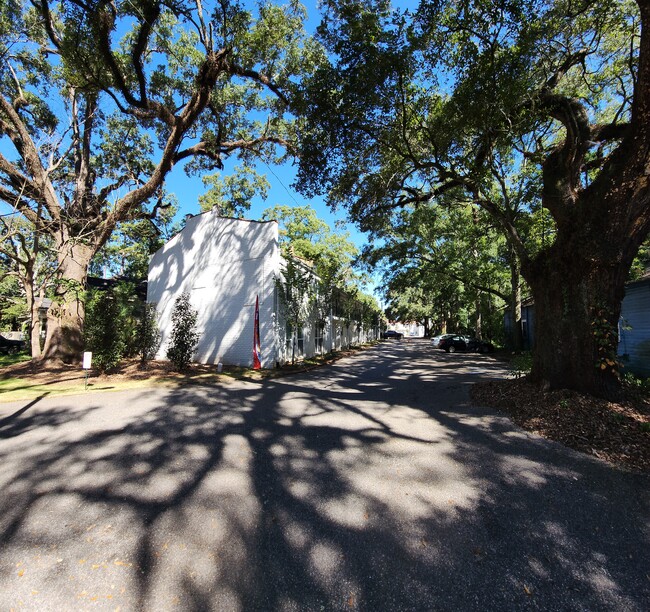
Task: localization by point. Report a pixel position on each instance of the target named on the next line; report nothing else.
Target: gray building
(634, 328)
(633, 332)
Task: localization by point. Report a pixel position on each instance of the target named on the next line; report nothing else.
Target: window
(300, 350)
(289, 341)
(319, 329)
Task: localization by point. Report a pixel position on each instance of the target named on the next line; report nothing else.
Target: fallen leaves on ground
(134, 370)
(616, 432)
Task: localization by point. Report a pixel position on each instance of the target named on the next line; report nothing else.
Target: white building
(225, 265)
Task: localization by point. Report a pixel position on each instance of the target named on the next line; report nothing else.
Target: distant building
(410, 329)
(227, 265)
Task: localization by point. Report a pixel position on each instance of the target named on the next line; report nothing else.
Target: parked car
(391, 333)
(435, 341)
(455, 343)
(9, 347)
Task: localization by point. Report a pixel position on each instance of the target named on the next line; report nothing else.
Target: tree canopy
(534, 110)
(99, 101)
(304, 234)
(441, 264)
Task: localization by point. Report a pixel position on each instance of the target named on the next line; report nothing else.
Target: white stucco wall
(223, 264)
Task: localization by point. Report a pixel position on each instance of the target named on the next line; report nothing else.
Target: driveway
(371, 484)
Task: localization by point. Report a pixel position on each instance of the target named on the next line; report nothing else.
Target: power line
(281, 183)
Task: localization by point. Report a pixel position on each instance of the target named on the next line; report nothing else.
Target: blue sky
(280, 177)
(188, 189)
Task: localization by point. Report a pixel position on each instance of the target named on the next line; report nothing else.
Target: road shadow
(371, 484)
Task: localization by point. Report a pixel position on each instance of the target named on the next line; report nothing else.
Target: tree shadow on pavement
(372, 484)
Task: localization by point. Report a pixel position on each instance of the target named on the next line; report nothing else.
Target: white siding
(224, 264)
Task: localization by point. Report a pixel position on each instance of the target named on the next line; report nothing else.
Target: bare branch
(609, 131)
(207, 149)
(43, 7)
(571, 60)
(259, 78)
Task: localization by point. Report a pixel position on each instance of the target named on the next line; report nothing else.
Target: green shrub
(521, 365)
(147, 335)
(635, 384)
(184, 337)
(102, 329)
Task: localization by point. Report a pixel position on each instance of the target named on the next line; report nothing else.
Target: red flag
(257, 365)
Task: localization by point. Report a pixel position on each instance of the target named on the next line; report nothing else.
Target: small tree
(184, 337)
(147, 335)
(101, 332)
(295, 288)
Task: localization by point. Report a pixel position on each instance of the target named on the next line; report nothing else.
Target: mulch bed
(616, 432)
(133, 369)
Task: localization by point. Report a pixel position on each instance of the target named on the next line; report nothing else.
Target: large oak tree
(465, 94)
(100, 99)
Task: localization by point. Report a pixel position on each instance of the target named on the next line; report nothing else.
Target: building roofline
(213, 211)
(176, 237)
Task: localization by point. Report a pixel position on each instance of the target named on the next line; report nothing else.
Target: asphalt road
(372, 484)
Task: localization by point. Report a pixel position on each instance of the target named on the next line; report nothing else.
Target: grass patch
(9, 360)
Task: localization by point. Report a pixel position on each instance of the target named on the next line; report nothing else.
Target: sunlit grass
(7, 360)
(17, 389)
(74, 382)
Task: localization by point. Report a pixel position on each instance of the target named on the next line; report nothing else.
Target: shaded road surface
(368, 485)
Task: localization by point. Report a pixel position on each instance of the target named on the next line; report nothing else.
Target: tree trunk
(34, 321)
(27, 281)
(479, 318)
(577, 309)
(516, 333)
(64, 341)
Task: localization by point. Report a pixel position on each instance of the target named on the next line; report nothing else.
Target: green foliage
(132, 243)
(232, 195)
(520, 365)
(318, 278)
(147, 334)
(296, 286)
(443, 267)
(605, 333)
(118, 325)
(13, 308)
(183, 338)
(636, 384)
(305, 235)
(641, 263)
(102, 331)
(330, 256)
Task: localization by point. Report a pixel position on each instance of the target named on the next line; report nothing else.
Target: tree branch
(259, 78)
(609, 131)
(570, 61)
(23, 142)
(561, 169)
